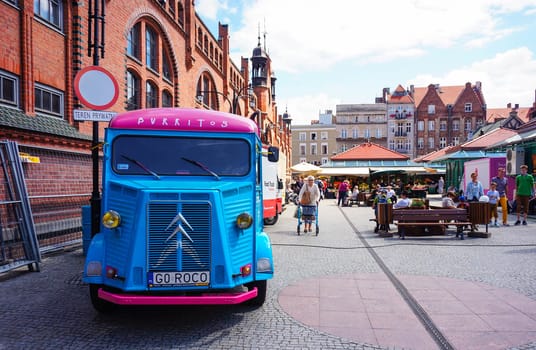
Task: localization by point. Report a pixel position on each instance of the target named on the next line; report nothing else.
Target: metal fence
(56, 184)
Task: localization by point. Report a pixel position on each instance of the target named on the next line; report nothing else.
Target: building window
(468, 124)
(443, 125)
(431, 143)
(51, 11)
(206, 92)
(324, 149)
(323, 135)
(408, 128)
(166, 67)
(151, 49)
(456, 125)
(431, 125)
(303, 160)
(172, 8)
(420, 143)
(48, 100)
(324, 161)
(180, 13)
(133, 42)
(303, 136)
(456, 141)
(392, 145)
(355, 133)
(468, 107)
(9, 89)
(379, 133)
(313, 136)
(344, 148)
(313, 149)
(420, 125)
(167, 99)
(431, 109)
(479, 122)
(442, 142)
(133, 91)
(303, 150)
(367, 133)
(408, 145)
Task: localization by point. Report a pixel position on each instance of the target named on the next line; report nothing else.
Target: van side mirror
(273, 154)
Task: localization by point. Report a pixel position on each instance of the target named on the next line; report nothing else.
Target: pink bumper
(206, 299)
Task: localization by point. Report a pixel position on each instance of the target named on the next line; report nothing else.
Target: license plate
(176, 279)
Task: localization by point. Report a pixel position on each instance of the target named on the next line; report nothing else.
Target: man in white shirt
(403, 202)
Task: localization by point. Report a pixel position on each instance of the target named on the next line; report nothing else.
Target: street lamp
(202, 97)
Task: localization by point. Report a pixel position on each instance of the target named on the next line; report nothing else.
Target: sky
(333, 52)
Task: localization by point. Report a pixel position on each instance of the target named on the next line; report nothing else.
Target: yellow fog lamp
(244, 221)
(111, 219)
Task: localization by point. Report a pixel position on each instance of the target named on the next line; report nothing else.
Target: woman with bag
(309, 197)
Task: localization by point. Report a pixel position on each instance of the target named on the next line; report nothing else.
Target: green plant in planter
(417, 203)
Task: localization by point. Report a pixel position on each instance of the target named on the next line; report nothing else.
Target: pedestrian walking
(524, 192)
(343, 192)
(502, 188)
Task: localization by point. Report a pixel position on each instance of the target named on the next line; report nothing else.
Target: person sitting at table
(403, 202)
(448, 201)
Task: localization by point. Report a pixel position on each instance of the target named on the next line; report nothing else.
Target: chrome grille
(169, 251)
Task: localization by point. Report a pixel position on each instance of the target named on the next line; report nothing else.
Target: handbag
(306, 197)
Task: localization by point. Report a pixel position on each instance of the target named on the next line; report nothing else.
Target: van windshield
(185, 156)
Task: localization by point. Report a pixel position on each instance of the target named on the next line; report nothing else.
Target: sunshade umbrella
(305, 168)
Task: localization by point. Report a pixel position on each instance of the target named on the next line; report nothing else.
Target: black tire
(272, 220)
(99, 304)
(261, 292)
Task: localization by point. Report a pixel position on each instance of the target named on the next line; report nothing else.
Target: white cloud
(509, 76)
(308, 35)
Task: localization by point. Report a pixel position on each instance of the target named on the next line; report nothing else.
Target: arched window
(151, 95)
(151, 49)
(167, 99)
(166, 66)
(133, 91)
(206, 92)
(133, 41)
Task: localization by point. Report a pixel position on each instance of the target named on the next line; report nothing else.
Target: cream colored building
(360, 123)
(313, 143)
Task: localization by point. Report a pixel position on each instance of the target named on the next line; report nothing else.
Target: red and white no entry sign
(96, 88)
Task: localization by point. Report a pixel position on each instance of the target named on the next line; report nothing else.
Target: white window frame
(468, 107)
(431, 125)
(323, 135)
(442, 142)
(420, 125)
(314, 149)
(303, 136)
(324, 146)
(431, 143)
(6, 76)
(431, 109)
(54, 92)
(420, 143)
(456, 125)
(303, 149)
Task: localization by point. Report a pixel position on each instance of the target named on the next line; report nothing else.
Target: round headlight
(244, 221)
(111, 219)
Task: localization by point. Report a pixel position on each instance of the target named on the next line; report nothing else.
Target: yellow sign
(26, 158)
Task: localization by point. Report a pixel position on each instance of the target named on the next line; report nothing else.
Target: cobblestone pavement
(51, 308)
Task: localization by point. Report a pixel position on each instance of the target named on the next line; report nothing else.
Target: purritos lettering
(189, 119)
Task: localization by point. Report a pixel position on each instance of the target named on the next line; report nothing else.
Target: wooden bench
(431, 218)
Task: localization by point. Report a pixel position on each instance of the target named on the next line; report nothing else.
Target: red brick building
(446, 115)
(161, 54)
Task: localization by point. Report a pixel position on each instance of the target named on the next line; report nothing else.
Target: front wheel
(99, 304)
(272, 220)
(261, 292)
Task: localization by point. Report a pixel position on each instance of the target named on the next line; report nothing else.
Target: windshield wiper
(202, 166)
(141, 165)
